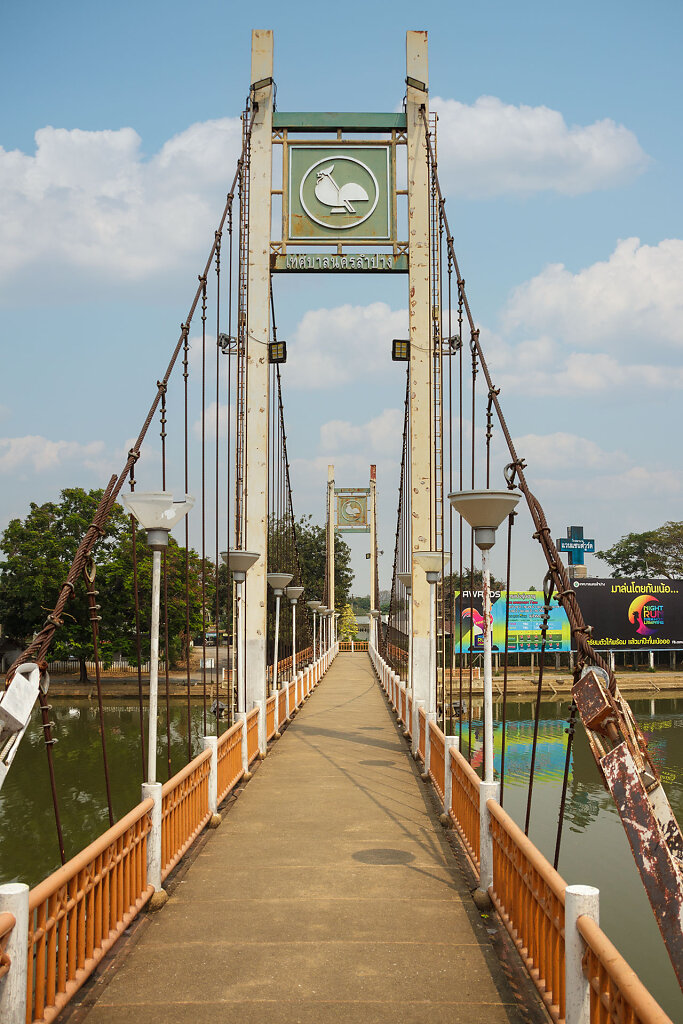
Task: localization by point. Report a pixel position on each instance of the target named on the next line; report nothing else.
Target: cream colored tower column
(257, 392)
(417, 109)
(330, 537)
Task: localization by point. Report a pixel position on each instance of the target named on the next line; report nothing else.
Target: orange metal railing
(77, 913)
(409, 721)
(270, 717)
(252, 735)
(437, 745)
(465, 803)
(7, 923)
(618, 996)
(282, 705)
(421, 740)
(529, 896)
(184, 810)
(229, 760)
(346, 647)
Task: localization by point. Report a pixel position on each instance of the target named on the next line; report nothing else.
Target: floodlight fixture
(277, 351)
(400, 350)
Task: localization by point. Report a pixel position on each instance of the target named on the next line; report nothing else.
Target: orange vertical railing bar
(77, 913)
(270, 717)
(184, 809)
(437, 745)
(252, 734)
(618, 996)
(465, 803)
(229, 760)
(529, 896)
(421, 742)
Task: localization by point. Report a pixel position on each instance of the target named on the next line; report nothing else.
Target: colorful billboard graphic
(524, 628)
(633, 614)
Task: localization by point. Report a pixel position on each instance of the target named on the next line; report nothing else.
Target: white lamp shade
(432, 561)
(157, 510)
(484, 509)
(240, 561)
(323, 609)
(294, 593)
(313, 605)
(406, 578)
(374, 613)
(279, 580)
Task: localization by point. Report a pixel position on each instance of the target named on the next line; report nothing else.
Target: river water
(594, 848)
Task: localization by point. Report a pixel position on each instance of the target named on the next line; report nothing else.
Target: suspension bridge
(321, 849)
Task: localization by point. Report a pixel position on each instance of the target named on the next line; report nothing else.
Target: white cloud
(634, 296)
(563, 451)
(91, 201)
(41, 454)
(493, 148)
(381, 435)
(335, 346)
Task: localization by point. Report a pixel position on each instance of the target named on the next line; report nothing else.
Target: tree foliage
(348, 627)
(38, 554)
(654, 553)
(312, 543)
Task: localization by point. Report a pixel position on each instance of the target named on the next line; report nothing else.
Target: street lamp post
(294, 593)
(374, 615)
(278, 581)
(239, 562)
(485, 511)
(157, 512)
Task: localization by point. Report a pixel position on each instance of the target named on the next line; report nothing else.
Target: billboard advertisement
(632, 614)
(524, 628)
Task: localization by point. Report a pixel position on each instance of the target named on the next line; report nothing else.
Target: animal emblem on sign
(329, 193)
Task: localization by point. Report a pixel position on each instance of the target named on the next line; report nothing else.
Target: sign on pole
(632, 614)
(352, 509)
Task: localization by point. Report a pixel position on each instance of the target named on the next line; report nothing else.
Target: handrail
(66, 872)
(78, 912)
(189, 768)
(602, 962)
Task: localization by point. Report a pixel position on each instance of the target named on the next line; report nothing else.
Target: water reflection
(594, 847)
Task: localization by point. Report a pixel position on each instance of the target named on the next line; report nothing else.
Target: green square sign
(339, 193)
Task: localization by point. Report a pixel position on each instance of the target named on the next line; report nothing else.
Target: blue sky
(559, 141)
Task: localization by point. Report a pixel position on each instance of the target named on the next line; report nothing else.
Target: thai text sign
(632, 614)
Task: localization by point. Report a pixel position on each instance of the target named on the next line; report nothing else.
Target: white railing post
(211, 743)
(487, 791)
(241, 716)
(14, 900)
(153, 790)
(578, 900)
(450, 743)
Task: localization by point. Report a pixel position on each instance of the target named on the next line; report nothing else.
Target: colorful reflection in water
(594, 847)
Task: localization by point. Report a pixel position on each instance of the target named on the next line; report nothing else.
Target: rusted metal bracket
(620, 752)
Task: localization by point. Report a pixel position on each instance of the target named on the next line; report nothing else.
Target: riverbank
(521, 683)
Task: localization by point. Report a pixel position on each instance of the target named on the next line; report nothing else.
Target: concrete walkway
(328, 894)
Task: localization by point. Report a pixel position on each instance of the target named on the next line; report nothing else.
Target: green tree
(348, 627)
(312, 543)
(38, 554)
(654, 553)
